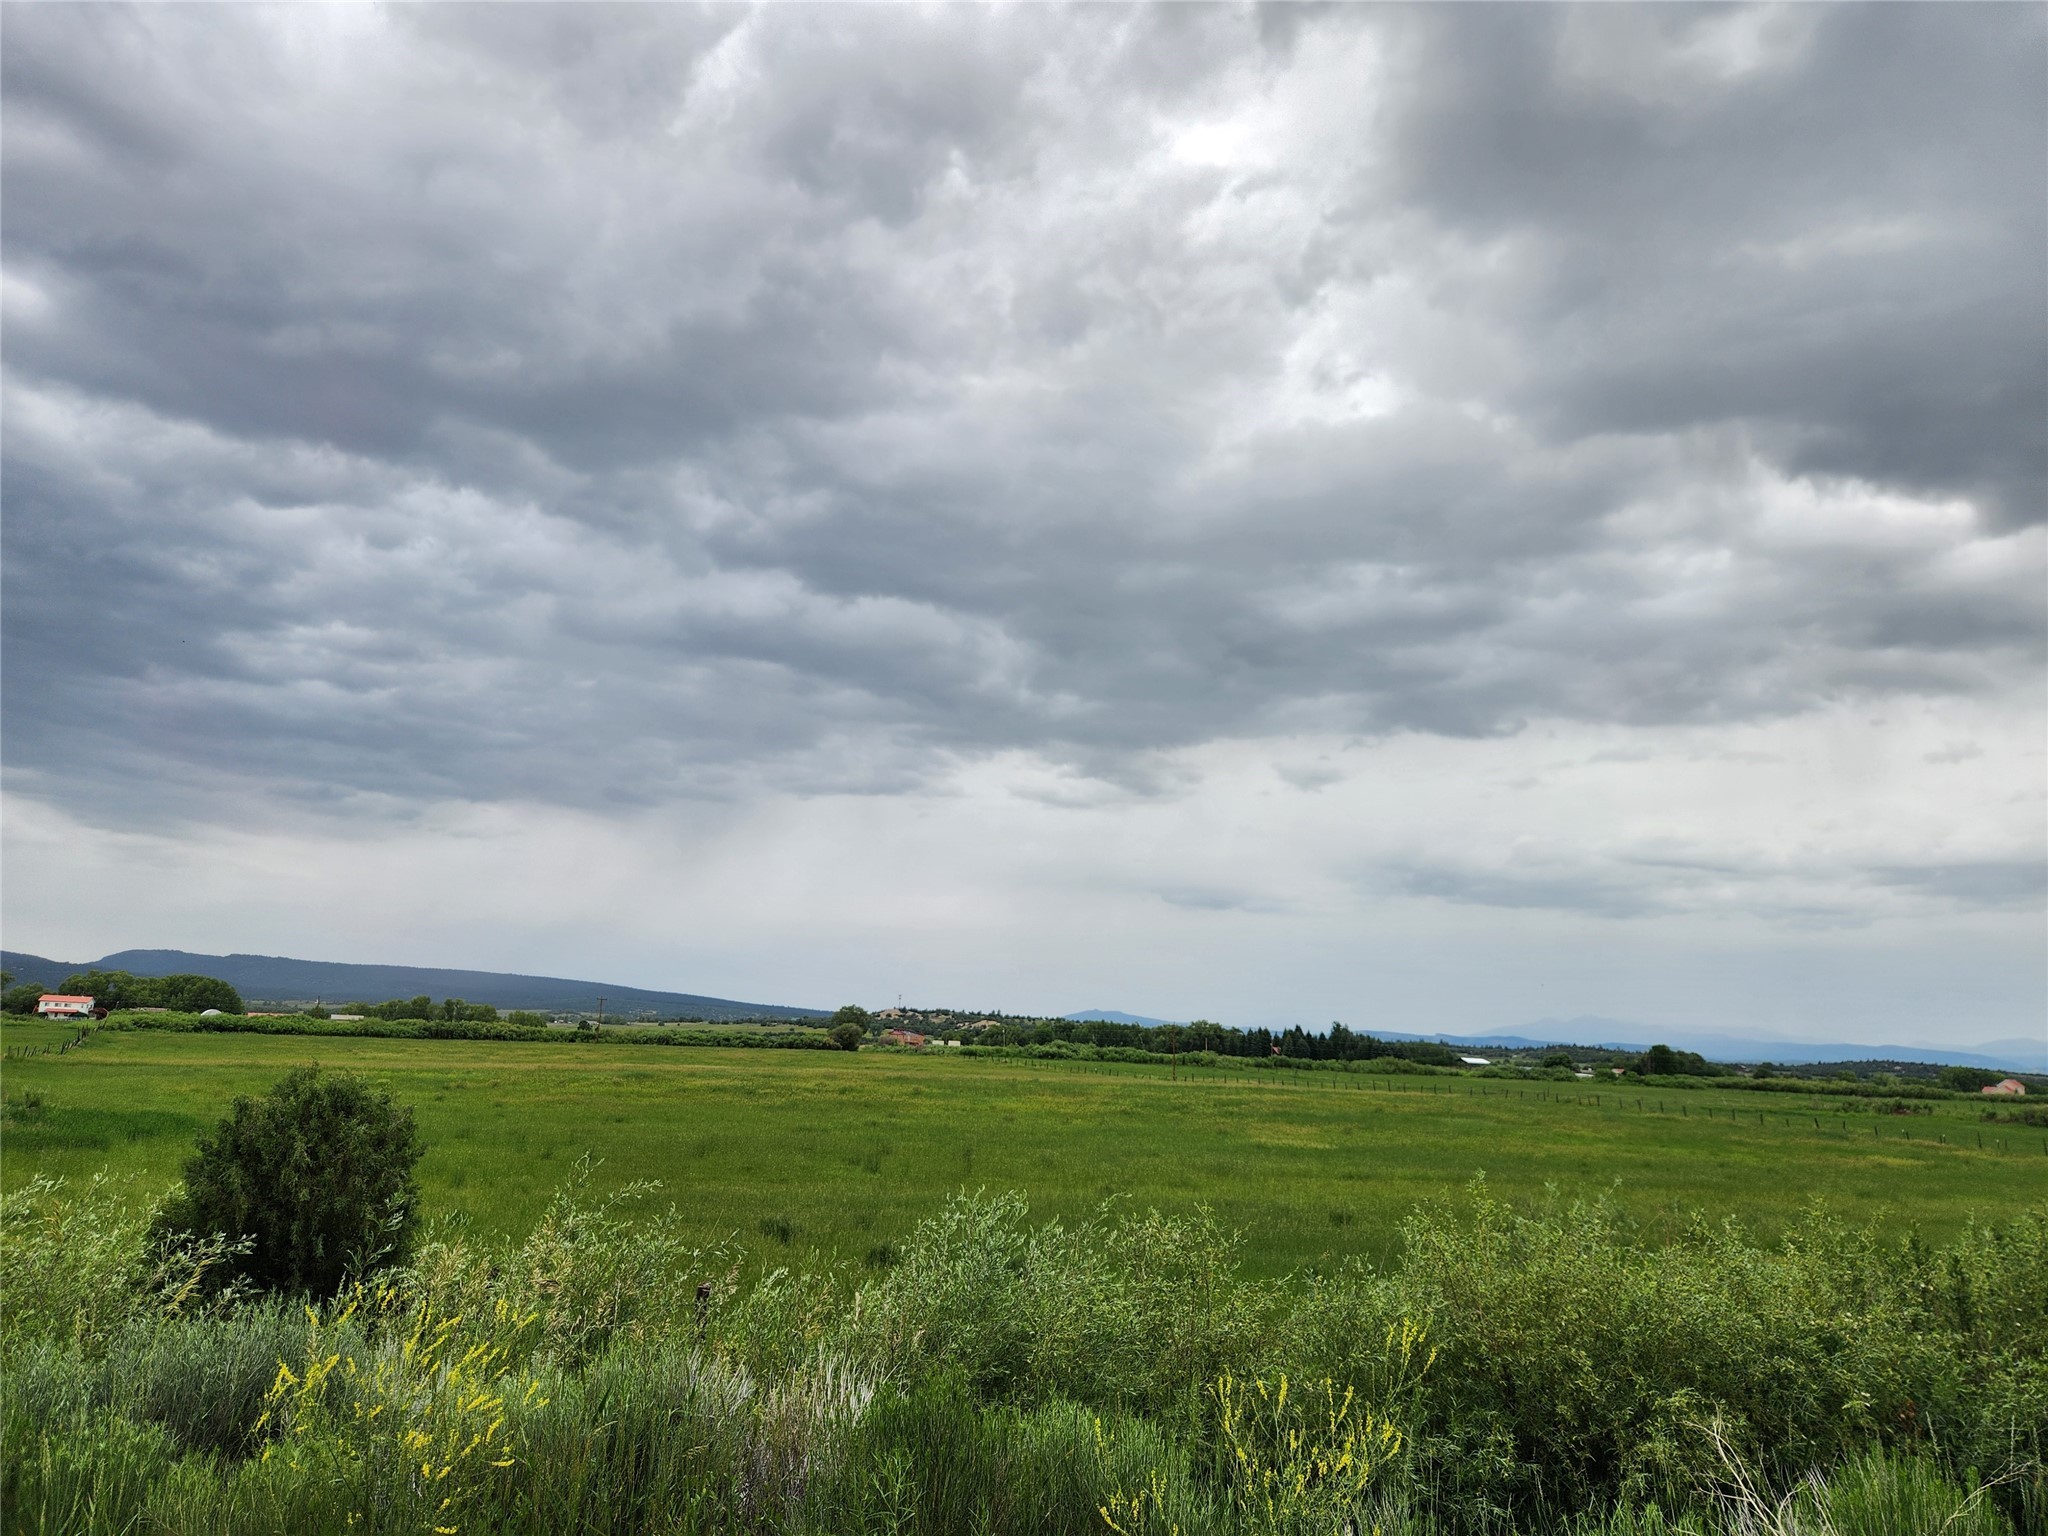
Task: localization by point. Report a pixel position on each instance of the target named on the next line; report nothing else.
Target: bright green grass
(851, 1150)
(19, 1033)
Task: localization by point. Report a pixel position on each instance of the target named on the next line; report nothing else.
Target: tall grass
(1537, 1370)
(853, 1149)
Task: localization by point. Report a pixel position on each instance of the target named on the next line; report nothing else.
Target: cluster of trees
(1970, 1079)
(448, 1010)
(1663, 1061)
(1340, 1044)
(115, 990)
(850, 1026)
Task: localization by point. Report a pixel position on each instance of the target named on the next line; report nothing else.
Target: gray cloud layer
(601, 407)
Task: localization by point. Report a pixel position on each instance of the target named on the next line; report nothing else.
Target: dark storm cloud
(2002, 882)
(1843, 249)
(1643, 887)
(607, 406)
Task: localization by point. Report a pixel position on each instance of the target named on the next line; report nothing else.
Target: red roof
(61, 997)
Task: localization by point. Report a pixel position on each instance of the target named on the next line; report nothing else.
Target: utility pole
(600, 1011)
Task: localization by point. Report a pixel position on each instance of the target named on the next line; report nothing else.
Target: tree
(1557, 1059)
(111, 990)
(854, 1014)
(847, 1036)
(317, 1175)
(1658, 1061)
(185, 993)
(526, 1020)
(22, 999)
(1968, 1079)
(1663, 1061)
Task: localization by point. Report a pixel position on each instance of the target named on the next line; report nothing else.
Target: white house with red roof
(59, 1005)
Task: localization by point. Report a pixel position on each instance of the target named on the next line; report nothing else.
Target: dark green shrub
(846, 1036)
(22, 999)
(317, 1175)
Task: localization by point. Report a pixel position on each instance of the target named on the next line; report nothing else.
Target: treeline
(449, 1009)
(1663, 1061)
(452, 1009)
(116, 990)
(1295, 1043)
(465, 1029)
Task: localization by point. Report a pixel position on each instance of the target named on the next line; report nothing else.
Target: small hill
(280, 979)
(34, 968)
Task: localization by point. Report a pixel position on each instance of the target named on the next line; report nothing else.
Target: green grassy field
(848, 1151)
(28, 1034)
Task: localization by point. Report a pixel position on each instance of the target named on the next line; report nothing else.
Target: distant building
(58, 1005)
(1474, 1061)
(903, 1037)
(2012, 1087)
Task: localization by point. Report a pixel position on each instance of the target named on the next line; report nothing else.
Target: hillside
(280, 979)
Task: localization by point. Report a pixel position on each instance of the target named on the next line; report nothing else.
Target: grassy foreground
(818, 1152)
(1538, 1372)
(1241, 1303)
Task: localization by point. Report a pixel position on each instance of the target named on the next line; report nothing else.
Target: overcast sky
(1429, 517)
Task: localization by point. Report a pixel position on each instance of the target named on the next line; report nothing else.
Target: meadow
(961, 1295)
(828, 1152)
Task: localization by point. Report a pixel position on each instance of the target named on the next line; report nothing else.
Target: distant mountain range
(2005, 1055)
(276, 979)
(1619, 1035)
